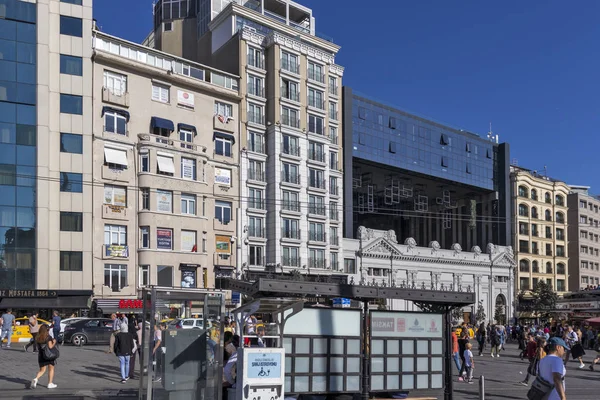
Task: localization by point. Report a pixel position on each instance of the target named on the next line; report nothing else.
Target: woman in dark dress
(43, 339)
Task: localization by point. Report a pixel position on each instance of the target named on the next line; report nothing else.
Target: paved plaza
(88, 372)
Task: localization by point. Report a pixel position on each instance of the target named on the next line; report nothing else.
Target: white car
(67, 321)
(188, 323)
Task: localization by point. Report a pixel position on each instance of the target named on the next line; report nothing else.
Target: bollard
(481, 387)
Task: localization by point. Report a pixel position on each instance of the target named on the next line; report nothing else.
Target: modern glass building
(422, 179)
(18, 139)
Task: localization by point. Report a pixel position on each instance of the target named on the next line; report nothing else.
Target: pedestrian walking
(116, 328)
(481, 332)
(455, 350)
(535, 352)
(469, 363)
(124, 348)
(574, 347)
(34, 328)
(133, 329)
(552, 370)
(495, 341)
(56, 324)
(8, 321)
(462, 346)
(47, 356)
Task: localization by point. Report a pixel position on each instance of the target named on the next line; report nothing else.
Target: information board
(263, 365)
(411, 325)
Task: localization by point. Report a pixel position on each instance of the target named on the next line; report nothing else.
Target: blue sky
(530, 68)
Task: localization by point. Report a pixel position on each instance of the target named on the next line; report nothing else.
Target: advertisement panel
(164, 239)
(222, 177)
(114, 250)
(164, 201)
(188, 278)
(185, 98)
(223, 244)
(406, 325)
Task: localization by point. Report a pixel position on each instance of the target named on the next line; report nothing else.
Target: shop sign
(413, 325)
(27, 293)
(164, 239)
(185, 98)
(117, 251)
(223, 244)
(222, 177)
(580, 305)
(188, 278)
(131, 304)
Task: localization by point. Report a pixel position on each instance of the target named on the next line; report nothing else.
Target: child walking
(469, 364)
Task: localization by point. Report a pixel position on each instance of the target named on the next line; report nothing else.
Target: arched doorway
(500, 309)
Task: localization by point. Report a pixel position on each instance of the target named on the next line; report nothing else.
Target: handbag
(50, 354)
(540, 389)
(533, 366)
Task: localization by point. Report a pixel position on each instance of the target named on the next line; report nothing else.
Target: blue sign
(263, 365)
(235, 297)
(341, 301)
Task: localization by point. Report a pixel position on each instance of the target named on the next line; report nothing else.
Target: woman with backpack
(47, 356)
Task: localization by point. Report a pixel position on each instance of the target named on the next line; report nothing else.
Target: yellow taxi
(21, 333)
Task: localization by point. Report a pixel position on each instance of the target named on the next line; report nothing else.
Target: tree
(480, 314)
(499, 314)
(544, 299)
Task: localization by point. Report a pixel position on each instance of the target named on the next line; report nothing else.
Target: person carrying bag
(549, 383)
(47, 355)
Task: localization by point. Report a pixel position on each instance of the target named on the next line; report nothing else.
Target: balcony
(112, 251)
(292, 95)
(291, 262)
(292, 67)
(535, 233)
(256, 118)
(291, 121)
(315, 236)
(256, 90)
(316, 183)
(257, 204)
(535, 251)
(121, 99)
(333, 115)
(290, 178)
(333, 90)
(256, 175)
(223, 123)
(256, 232)
(316, 76)
(334, 240)
(316, 102)
(291, 150)
(256, 62)
(168, 143)
(256, 261)
(316, 209)
(110, 211)
(290, 233)
(290, 205)
(334, 215)
(316, 263)
(316, 155)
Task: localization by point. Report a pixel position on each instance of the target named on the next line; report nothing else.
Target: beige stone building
(540, 230)
(165, 167)
(290, 132)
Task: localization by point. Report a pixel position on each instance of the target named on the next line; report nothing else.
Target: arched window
(560, 217)
(534, 213)
(523, 210)
(548, 198)
(534, 194)
(524, 265)
(548, 215)
(560, 268)
(560, 200)
(535, 267)
(523, 192)
(548, 267)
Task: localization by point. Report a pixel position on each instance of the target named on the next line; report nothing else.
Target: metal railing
(256, 62)
(291, 205)
(288, 120)
(316, 76)
(260, 261)
(333, 215)
(333, 164)
(168, 142)
(289, 233)
(292, 67)
(317, 236)
(334, 265)
(315, 128)
(333, 90)
(258, 204)
(333, 114)
(334, 190)
(255, 231)
(315, 102)
(290, 178)
(333, 138)
(316, 263)
(256, 175)
(334, 240)
(316, 209)
(316, 155)
(316, 183)
(293, 95)
(256, 146)
(256, 90)
(292, 150)
(256, 118)
(291, 261)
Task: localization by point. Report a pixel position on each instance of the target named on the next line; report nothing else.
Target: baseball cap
(558, 341)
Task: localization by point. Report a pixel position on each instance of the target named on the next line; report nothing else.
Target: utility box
(260, 373)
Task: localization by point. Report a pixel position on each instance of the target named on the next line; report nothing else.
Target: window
(71, 26)
(71, 65)
(534, 194)
(291, 145)
(75, 2)
(547, 198)
(548, 267)
(315, 72)
(469, 169)
(255, 197)
(71, 221)
(333, 88)
(523, 191)
(145, 162)
(115, 195)
(144, 275)
(524, 266)
(315, 98)
(255, 86)
(523, 228)
(116, 83)
(145, 198)
(291, 201)
(188, 204)
(560, 234)
(186, 136)
(582, 204)
(289, 90)
(534, 213)
(560, 285)
(560, 251)
(289, 62)
(115, 235)
(290, 173)
(535, 267)
(560, 200)
(444, 140)
(316, 258)
(444, 161)
(164, 201)
(222, 146)
(71, 182)
(256, 142)
(316, 178)
(349, 266)
(290, 256)
(316, 205)
(166, 166)
(160, 93)
(188, 241)
(333, 186)
(290, 228)
(164, 275)
(188, 168)
(71, 260)
(333, 236)
(524, 283)
(71, 143)
(523, 246)
(71, 104)
(548, 215)
(333, 114)
(144, 237)
(316, 231)
(290, 117)
(255, 57)
(255, 255)
(256, 114)
(115, 276)
(315, 124)
(583, 219)
(333, 261)
(548, 232)
(164, 238)
(223, 211)
(115, 122)
(560, 217)
(333, 160)
(223, 109)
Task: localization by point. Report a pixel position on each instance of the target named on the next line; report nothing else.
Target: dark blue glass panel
(7, 197)
(7, 112)
(25, 217)
(26, 33)
(71, 182)
(26, 53)
(25, 176)
(8, 153)
(19, 10)
(76, 2)
(8, 216)
(70, 143)
(25, 196)
(8, 29)
(71, 65)
(7, 133)
(26, 135)
(8, 50)
(26, 93)
(26, 73)
(7, 235)
(26, 155)
(25, 237)
(8, 91)
(71, 26)
(26, 114)
(8, 175)
(71, 104)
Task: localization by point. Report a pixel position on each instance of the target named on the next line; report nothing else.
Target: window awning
(116, 110)
(165, 164)
(224, 136)
(187, 128)
(115, 156)
(157, 122)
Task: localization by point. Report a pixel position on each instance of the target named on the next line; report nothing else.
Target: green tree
(499, 314)
(480, 314)
(544, 299)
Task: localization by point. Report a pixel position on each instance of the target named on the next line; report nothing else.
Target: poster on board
(406, 325)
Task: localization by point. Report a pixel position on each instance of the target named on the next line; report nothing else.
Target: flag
(221, 118)
(195, 249)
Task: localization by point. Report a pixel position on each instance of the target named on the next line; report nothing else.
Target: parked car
(67, 321)
(88, 331)
(187, 323)
(20, 333)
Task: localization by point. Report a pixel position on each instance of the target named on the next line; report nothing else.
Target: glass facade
(388, 136)
(17, 144)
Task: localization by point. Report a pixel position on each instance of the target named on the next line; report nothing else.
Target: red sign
(401, 325)
(128, 304)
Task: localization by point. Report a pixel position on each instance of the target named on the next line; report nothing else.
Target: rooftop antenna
(491, 136)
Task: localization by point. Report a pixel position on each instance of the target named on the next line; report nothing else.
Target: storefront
(45, 302)
(106, 307)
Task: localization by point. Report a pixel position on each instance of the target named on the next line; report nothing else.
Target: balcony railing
(316, 183)
(333, 164)
(292, 67)
(258, 204)
(256, 90)
(316, 76)
(316, 209)
(256, 118)
(316, 155)
(334, 240)
(535, 233)
(165, 141)
(290, 233)
(560, 220)
(523, 232)
(334, 190)
(256, 146)
(334, 265)
(549, 219)
(292, 150)
(257, 232)
(316, 263)
(535, 251)
(315, 236)
(333, 138)
(315, 128)
(333, 115)
(333, 90)
(291, 261)
(290, 178)
(334, 215)
(289, 120)
(256, 175)
(524, 249)
(257, 261)
(293, 95)
(291, 205)
(256, 62)
(534, 216)
(560, 253)
(316, 102)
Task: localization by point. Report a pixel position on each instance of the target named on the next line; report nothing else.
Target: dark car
(88, 331)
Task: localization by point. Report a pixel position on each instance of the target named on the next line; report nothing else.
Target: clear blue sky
(531, 68)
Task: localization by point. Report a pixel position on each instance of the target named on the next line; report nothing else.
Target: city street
(89, 372)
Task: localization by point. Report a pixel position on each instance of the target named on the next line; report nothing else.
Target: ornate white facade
(378, 259)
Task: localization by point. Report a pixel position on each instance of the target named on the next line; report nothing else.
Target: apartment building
(45, 191)
(166, 170)
(584, 242)
(290, 162)
(540, 212)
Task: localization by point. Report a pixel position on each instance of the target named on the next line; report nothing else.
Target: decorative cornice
(302, 48)
(336, 69)
(253, 37)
